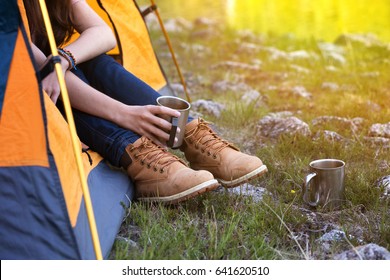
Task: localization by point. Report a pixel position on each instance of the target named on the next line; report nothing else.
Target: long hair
(60, 12)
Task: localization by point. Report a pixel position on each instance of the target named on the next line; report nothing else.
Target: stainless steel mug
(324, 186)
(183, 107)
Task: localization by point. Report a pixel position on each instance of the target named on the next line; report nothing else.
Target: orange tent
(43, 213)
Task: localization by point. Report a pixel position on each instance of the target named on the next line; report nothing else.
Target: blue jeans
(106, 75)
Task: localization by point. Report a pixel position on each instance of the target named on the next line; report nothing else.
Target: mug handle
(172, 135)
(306, 190)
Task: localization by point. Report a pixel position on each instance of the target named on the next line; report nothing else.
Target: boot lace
(152, 155)
(204, 136)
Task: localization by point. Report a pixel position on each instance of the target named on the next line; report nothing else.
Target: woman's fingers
(162, 110)
(51, 86)
(54, 96)
(151, 121)
(162, 116)
(157, 132)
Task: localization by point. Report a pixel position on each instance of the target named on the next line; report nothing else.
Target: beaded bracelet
(69, 57)
(64, 55)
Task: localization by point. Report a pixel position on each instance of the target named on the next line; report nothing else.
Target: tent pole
(171, 51)
(73, 134)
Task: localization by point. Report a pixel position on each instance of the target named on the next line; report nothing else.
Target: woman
(117, 116)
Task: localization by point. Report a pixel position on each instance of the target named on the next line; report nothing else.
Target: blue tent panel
(33, 218)
(111, 192)
(9, 23)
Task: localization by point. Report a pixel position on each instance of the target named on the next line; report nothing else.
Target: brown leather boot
(161, 176)
(207, 151)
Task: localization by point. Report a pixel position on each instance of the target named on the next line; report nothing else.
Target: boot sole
(258, 172)
(187, 194)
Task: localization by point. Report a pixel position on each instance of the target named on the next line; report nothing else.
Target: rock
(205, 22)
(128, 241)
(329, 135)
(248, 48)
(380, 130)
(374, 74)
(367, 252)
(257, 62)
(205, 28)
(300, 69)
(351, 124)
(208, 107)
(378, 141)
(373, 107)
(225, 86)
(366, 40)
(333, 235)
(384, 165)
(206, 34)
(301, 91)
(385, 183)
(246, 35)
(273, 127)
(281, 114)
(297, 91)
(236, 65)
(177, 25)
(302, 55)
(252, 97)
(336, 57)
(331, 48)
(331, 68)
(330, 86)
(275, 54)
(248, 190)
(196, 48)
(178, 89)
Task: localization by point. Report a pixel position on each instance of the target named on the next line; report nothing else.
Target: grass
(222, 225)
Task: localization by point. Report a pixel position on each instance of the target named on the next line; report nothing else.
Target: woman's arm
(50, 83)
(143, 120)
(96, 37)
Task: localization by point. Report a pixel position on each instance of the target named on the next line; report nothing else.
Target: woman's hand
(149, 121)
(50, 83)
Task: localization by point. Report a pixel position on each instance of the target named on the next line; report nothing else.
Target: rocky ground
(255, 87)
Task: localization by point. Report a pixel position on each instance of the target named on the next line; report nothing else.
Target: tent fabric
(42, 212)
(137, 51)
(8, 34)
(107, 187)
(34, 220)
(23, 141)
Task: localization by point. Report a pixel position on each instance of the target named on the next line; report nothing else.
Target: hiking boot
(207, 151)
(161, 176)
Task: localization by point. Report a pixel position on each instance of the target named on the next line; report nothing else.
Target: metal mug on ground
(324, 186)
(183, 107)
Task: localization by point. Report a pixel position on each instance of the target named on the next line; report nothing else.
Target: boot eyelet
(208, 153)
(214, 156)
(142, 162)
(155, 169)
(202, 150)
(148, 165)
(161, 170)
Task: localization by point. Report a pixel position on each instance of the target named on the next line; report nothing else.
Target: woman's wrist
(64, 64)
(119, 113)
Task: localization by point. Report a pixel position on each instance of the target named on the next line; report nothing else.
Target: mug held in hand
(183, 107)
